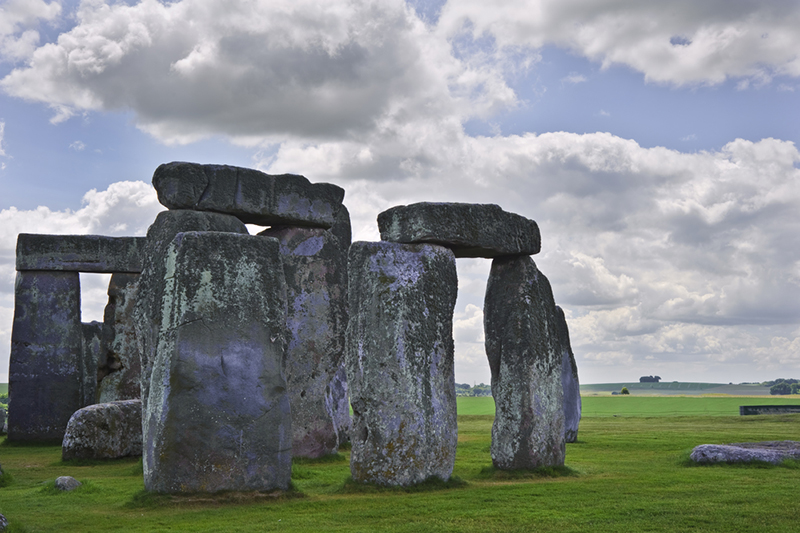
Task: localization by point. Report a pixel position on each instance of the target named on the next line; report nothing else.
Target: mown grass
(626, 473)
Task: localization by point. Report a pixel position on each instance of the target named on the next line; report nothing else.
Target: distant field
(670, 388)
(3, 388)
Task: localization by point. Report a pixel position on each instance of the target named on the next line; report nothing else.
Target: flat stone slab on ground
(470, 230)
(104, 431)
(252, 196)
(744, 452)
(79, 253)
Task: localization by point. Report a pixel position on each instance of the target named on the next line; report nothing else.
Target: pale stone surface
(252, 196)
(119, 369)
(525, 357)
(218, 415)
(768, 451)
(67, 483)
(315, 268)
(399, 354)
(79, 253)
(337, 403)
(104, 431)
(569, 380)
(46, 355)
(148, 305)
(3, 520)
(470, 230)
(92, 334)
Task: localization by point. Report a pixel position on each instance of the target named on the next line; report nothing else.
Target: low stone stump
(525, 357)
(119, 369)
(470, 230)
(45, 370)
(569, 380)
(252, 196)
(399, 355)
(218, 415)
(745, 452)
(104, 431)
(67, 483)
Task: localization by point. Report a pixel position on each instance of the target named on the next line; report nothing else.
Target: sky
(655, 144)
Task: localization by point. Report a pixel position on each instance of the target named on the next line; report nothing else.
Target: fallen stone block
(79, 253)
(399, 354)
(470, 230)
(767, 451)
(104, 431)
(252, 196)
(218, 415)
(119, 368)
(525, 358)
(315, 268)
(569, 380)
(45, 370)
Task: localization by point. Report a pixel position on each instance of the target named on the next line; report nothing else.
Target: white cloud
(18, 18)
(2, 136)
(78, 146)
(673, 41)
(574, 78)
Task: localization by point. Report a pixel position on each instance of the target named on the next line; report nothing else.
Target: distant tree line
(649, 379)
(463, 389)
(783, 386)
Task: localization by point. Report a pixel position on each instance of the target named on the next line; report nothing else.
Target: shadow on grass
(429, 485)
(496, 474)
(29, 444)
(100, 462)
(325, 459)
(150, 500)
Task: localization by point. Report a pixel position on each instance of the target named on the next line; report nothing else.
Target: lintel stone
(79, 253)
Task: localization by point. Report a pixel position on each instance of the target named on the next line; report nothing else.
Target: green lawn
(629, 474)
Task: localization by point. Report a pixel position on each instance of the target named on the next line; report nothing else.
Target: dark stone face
(400, 362)
(569, 380)
(470, 230)
(119, 368)
(79, 253)
(250, 195)
(525, 357)
(45, 371)
(218, 415)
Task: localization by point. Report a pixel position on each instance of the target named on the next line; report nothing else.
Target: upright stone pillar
(92, 348)
(316, 276)
(525, 357)
(120, 363)
(45, 385)
(400, 362)
(569, 380)
(218, 412)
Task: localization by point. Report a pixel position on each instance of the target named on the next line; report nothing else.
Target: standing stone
(316, 272)
(525, 357)
(104, 431)
(337, 403)
(569, 380)
(218, 413)
(148, 306)
(400, 362)
(2, 420)
(46, 355)
(79, 253)
(92, 334)
(119, 370)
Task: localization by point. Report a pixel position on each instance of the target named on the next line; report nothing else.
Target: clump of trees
(649, 379)
(463, 389)
(4, 399)
(624, 390)
(782, 386)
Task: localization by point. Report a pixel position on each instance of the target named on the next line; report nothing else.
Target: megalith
(119, 368)
(92, 347)
(150, 292)
(45, 370)
(218, 415)
(315, 268)
(104, 431)
(569, 380)
(399, 354)
(525, 358)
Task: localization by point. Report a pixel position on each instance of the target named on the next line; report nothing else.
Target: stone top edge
(79, 253)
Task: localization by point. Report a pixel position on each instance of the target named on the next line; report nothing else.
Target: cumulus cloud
(18, 20)
(674, 41)
(2, 135)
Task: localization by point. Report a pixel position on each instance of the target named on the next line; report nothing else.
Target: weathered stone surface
(92, 333)
(768, 451)
(470, 230)
(399, 354)
(148, 305)
(218, 415)
(3, 523)
(315, 268)
(104, 431)
(337, 403)
(525, 357)
(119, 369)
(67, 483)
(254, 197)
(45, 384)
(569, 380)
(2, 420)
(79, 253)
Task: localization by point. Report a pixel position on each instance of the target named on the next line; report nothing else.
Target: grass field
(626, 473)
(675, 388)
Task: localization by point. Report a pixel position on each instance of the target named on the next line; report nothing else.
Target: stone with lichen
(104, 431)
(569, 380)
